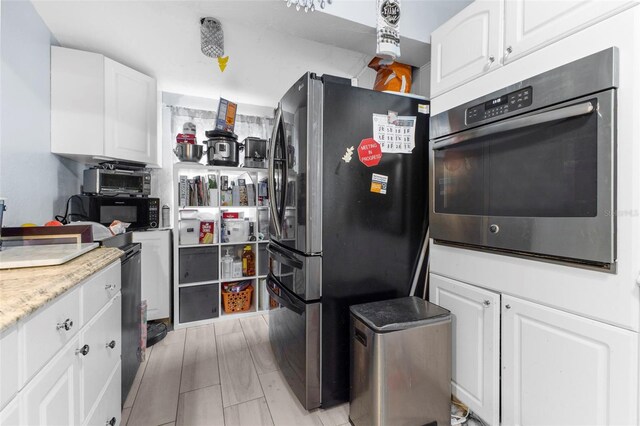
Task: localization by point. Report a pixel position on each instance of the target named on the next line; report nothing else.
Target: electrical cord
(67, 218)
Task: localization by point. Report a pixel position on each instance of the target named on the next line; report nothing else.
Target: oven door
(294, 333)
(540, 183)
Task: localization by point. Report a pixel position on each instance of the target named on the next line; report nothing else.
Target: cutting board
(42, 255)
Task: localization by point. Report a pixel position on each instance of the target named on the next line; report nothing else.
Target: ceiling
(269, 45)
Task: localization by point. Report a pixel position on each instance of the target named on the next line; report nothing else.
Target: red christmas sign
(369, 152)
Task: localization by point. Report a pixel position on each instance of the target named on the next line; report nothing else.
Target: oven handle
(284, 301)
(517, 123)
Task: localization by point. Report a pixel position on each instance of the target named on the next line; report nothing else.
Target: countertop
(24, 290)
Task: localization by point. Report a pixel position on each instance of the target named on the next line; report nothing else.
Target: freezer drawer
(301, 275)
(294, 332)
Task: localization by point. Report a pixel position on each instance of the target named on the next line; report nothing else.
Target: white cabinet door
(562, 369)
(130, 114)
(532, 24)
(51, 398)
(476, 343)
(103, 337)
(9, 362)
(466, 46)
(156, 271)
(10, 415)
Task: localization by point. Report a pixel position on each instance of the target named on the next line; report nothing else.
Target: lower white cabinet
(561, 369)
(517, 362)
(156, 271)
(78, 369)
(475, 370)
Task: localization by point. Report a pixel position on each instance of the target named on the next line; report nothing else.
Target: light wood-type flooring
(218, 374)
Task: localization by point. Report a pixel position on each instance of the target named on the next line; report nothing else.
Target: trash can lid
(398, 314)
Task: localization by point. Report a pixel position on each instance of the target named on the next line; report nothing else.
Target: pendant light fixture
(308, 5)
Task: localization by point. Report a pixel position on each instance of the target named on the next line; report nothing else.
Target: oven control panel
(506, 103)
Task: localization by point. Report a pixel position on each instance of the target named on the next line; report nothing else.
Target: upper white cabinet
(532, 24)
(476, 343)
(101, 110)
(561, 369)
(466, 46)
(490, 33)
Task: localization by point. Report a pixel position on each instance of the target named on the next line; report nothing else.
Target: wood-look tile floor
(222, 374)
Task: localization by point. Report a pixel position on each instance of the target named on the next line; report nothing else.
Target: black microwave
(140, 212)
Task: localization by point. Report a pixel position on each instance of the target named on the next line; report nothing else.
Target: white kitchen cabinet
(57, 375)
(476, 343)
(488, 34)
(560, 369)
(466, 46)
(156, 271)
(10, 415)
(101, 110)
(532, 24)
(51, 398)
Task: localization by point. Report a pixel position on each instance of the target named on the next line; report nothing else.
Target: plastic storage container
(189, 232)
(400, 363)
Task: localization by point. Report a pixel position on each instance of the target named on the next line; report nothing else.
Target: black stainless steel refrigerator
(336, 239)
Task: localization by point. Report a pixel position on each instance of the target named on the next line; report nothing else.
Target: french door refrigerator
(338, 234)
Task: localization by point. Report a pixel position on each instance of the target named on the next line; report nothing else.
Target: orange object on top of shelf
(393, 76)
(248, 262)
(237, 302)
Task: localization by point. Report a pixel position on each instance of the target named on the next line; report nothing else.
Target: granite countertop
(24, 290)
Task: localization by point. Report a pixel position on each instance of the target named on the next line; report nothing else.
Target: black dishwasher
(131, 297)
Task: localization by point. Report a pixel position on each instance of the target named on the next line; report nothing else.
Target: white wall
(35, 182)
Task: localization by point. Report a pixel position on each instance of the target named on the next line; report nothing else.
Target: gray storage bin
(263, 259)
(400, 363)
(199, 302)
(198, 264)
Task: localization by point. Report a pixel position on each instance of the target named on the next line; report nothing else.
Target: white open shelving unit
(201, 297)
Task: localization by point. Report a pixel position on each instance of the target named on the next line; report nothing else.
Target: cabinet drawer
(101, 359)
(109, 405)
(50, 398)
(98, 290)
(48, 330)
(9, 384)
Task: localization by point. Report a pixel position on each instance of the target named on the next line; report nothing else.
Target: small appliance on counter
(223, 148)
(140, 212)
(187, 148)
(119, 181)
(255, 153)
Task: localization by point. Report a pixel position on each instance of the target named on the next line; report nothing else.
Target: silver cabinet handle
(111, 422)
(486, 303)
(508, 51)
(492, 59)
(110, 287)
(66, 325)
(83, 350)
(111, 344)
(507, 306)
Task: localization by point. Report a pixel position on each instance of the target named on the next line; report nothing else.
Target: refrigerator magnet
(369, 152)
(379, 183)
(347, 155)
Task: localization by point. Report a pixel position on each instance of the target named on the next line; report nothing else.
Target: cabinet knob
(507, 306)
(83, 350)
(66, 325)
(492, 59)
(486, 303)
(111, 344)
(110, 287)
(111, 421)
(508, 51)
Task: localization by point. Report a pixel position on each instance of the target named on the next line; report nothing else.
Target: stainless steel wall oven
(531, 168)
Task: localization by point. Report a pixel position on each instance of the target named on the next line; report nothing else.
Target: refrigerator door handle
(271, 186)
(284, 258)
(284, 301)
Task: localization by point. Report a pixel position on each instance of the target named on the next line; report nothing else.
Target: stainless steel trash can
(400, 363)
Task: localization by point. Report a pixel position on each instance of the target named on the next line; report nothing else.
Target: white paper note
(398, 137)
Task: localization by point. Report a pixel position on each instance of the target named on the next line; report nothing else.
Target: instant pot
(223, 148)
